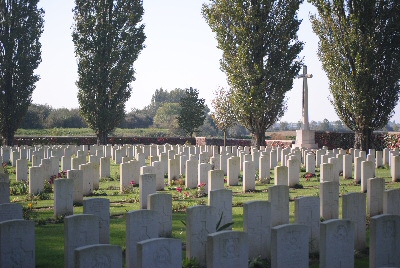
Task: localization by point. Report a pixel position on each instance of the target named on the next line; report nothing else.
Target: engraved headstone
(289, 246)
(100, 207)
(337, 244)
(79, 230)
(98, 256)
(227, 249)
(17, 243)
(160, 252)
(384, 243)
(140, 225)
(257, 225)
(162, 203)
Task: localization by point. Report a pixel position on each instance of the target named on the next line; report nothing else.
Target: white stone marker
(36, 180)
(101, 208)
(329, 200)
(215, 180)
(100, 255)
(226, 249)
(391, 202)
(353, 208)
(249, 176)
(367, 172)
(395, 168)
(273, 159)
(129, 171)
(159, 171)
(200, 221)
(293, 171)
(264, 168)
(278, 195)
(162, 203)
(337, 244)
(357, 168)
(77, 177)
(327, 173)
(10, 211)
(204, 168)
(140, 225)
(233, 171)
(290, 246)
(104, 167)
(376, 187)
(147, 185)
(191, 176)
(21, 171)
(160, 252)
(257, 225)
(310, 163)
(17, 244)
(347, 167)
(378, 159)
(306, 212)
(384, 242)
(63, 197)
(222, 200)
(281, 175)
(79, 230)
(173, 169)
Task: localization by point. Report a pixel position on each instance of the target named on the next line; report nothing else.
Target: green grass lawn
(50, 231)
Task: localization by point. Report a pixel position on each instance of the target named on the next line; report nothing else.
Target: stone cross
(305, 97)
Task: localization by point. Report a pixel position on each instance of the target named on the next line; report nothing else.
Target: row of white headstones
(278, 215)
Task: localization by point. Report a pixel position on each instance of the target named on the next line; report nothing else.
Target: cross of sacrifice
(305, 97)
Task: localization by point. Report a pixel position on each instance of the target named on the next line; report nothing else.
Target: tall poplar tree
(223, 115)
(259, 43)
(359, 47)
(192, 113)
(21, 25)
(108, 37)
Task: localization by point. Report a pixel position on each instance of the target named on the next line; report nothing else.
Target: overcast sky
(180, 53)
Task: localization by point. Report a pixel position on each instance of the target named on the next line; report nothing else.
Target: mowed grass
(50, 231)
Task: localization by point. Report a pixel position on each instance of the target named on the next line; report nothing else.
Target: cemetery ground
(50, 231)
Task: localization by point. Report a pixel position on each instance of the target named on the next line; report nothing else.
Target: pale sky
(181, 52)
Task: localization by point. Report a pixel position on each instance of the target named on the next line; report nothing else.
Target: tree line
(359, 48)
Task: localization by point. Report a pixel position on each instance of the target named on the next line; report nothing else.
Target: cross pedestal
(305, 138)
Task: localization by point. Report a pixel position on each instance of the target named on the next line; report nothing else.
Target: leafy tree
(138, 118)
(65, 118)
(36, 116)
(284, 125)
(192, 113)
(162, 96)
(359, 46)
(259, 43)
(223, 114)
(166, 116)
(325, 125)
(108, 37)
(21, 25)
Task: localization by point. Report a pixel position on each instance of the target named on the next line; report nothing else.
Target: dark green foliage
(193, 111)
(259, 43)
(21, 24)
(359, 46)
(108, 37)
(36, 116)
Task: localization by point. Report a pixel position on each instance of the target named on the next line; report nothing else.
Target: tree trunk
(102, 138)
(363, 139)
(258, 139)
(9, 138)
(224, 137)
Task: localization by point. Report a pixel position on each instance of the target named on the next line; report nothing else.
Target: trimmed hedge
(330, 139)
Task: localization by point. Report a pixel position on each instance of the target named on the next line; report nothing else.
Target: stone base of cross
(305, 139)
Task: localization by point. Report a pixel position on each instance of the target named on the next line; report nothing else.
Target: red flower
(179, 189)
(132, 183)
